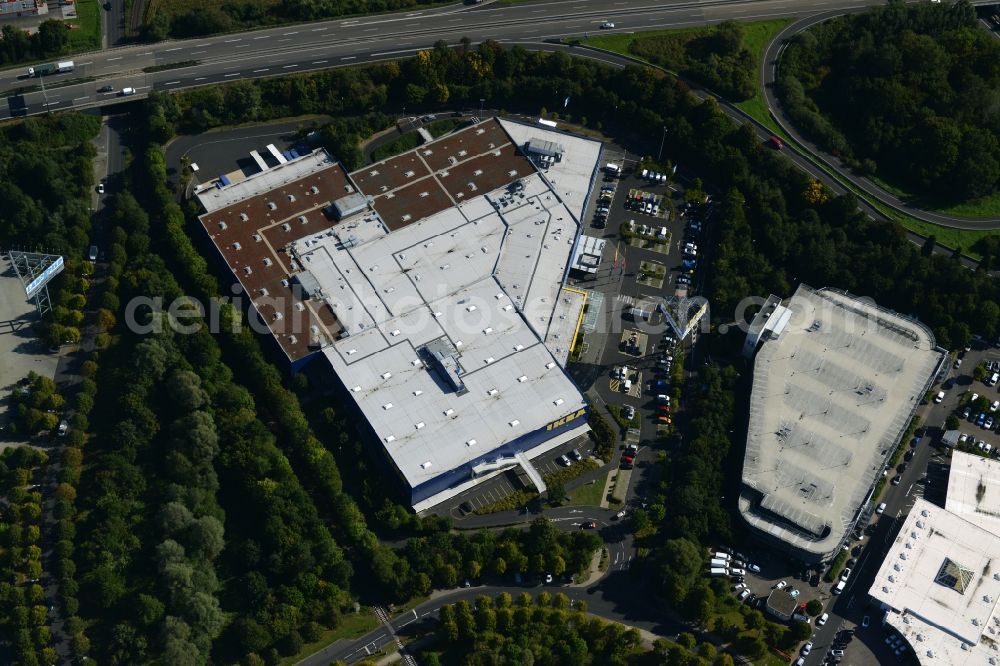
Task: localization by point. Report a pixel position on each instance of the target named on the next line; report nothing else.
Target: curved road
(617, 596)
(770, 71)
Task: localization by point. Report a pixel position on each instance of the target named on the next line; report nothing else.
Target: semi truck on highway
(52, 68)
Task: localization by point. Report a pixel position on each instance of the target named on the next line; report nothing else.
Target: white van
(719, 555)
(717, 571)
(840, 587)
(718, 563)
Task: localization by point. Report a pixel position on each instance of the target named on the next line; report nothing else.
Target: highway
(313, 46)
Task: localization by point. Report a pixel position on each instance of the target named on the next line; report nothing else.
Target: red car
(776, 143)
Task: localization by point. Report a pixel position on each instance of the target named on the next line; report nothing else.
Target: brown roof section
(411, 203)
(251, 235)
(485, 173)
(390, 174)
(468, 163)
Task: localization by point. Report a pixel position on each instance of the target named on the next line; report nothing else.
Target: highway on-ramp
(770, 73)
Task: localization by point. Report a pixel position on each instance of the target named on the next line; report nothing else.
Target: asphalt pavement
(321, 45)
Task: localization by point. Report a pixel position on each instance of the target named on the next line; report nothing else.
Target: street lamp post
(45, 96)
(659, 156)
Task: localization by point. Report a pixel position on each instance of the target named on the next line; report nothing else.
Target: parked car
(807, 648)
(607, 25)
(821, 620)
(846, 574)
(780, 585)
(939, 397)
(100, 188)
(628, 411)
(576, 455)
(865, 621)
(754, 568)
(881, 509)
(564, 461)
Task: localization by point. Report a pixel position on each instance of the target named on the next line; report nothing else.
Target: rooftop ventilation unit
(386, 375)
(419, 425)
(222, 226)
(291, 197)
(522, 378)
(244, 217)
(302, 219)
(514, 423)
(390, 439)
(286, 227)
(272, 205)
(471, 442)
(237, 246)
(417, 392)
(314, 190)
(257, 237)
(267, 261)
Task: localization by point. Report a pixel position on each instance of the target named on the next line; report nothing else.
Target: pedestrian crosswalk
(626, 299)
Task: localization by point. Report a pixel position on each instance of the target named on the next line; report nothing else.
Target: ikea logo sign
(566, 419)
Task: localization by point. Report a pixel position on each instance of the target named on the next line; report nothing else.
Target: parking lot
(20, 351)
(508, 482)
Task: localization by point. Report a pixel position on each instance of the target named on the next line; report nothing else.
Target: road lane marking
(349, 57)
(198, 46)
(319, 62)
(141, 54)
(288, 66)
(242, 46)
(318, 29)
(78, 98)
(392, 52)
(284, 40)
(89, 62)
(230, 41)
(291, 33)
(176, 48)
(371, 30)
(232, 74)
(171, 83)
(200, 78)
(196, 52)
(257, 71)
(261, 37)
(116, 58)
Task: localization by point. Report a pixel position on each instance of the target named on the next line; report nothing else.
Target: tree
(952, 422)
(814, 607)
(51, 38)
(556, 493)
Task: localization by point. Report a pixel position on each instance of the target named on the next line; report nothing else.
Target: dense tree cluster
(50, 40)
(182, 470)
(24, 615)
(906, 91)
(45, 186)
(37, 405)
(717, 58)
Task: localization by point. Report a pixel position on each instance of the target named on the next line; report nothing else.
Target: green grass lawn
(406, 142)
(589, 494)
(352, 625)
(87, 33)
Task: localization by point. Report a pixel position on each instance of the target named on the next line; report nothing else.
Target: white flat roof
(572, 176)
(832, 394)
(213, 198)
(483, 279)
(974, 490)
(941, 578)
